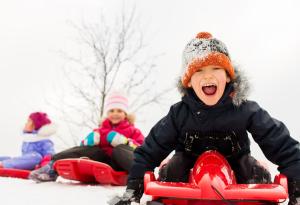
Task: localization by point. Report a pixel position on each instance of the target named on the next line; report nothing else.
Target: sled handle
(282, 180)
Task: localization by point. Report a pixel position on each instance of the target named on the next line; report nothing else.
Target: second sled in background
(89, 171)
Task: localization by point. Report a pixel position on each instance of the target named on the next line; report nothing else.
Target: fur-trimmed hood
(240, 85)
(47, 130)
(43, 133)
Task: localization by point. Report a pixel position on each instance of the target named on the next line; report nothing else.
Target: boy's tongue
(209, 90)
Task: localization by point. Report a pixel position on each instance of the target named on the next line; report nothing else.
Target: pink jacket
(124, 128)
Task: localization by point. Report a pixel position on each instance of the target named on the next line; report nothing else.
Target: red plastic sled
(212, 181)
(15, 173)
(89, 171)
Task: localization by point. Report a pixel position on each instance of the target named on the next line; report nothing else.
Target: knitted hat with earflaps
(204, 50)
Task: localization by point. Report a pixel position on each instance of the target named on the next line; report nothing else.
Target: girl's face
(29, 126)
(209, 84)
(116, 115)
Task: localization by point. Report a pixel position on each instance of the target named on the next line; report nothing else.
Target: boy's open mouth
(210, 89)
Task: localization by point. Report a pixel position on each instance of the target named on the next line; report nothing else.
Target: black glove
(133, 193)
(294, 192)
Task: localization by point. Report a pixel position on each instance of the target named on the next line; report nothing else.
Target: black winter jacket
(192, 127)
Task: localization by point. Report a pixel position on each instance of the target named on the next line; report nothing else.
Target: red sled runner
(89, 171)
(212, 182)
(14, 173)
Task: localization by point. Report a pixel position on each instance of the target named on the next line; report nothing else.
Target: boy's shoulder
(249, 107)
(179, 109)
(249, 103)
(177, 106)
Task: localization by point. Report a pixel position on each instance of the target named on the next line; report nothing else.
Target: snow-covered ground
(27, 192)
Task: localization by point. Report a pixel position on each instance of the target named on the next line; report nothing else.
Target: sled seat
(89, 171)
(69, 169)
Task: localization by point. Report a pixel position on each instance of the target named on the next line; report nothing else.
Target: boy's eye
(216, 68)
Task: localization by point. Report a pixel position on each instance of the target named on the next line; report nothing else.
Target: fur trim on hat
(240, 84)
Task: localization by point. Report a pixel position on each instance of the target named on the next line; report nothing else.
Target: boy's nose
(207, 75)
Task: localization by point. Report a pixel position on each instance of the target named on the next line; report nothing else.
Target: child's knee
(122, 149)
(177, 169)
(260, 175)
(253, 171)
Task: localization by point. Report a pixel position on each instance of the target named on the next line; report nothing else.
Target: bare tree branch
(111, 56)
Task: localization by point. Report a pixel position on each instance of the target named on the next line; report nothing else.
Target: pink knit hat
(116, 100)
(39, 119)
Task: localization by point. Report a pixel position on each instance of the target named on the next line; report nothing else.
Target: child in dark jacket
(37, 145)
(214, 114)
(112, 143)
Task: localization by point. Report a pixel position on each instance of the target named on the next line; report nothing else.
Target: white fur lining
(44, 133)
(47, 130)
(33, 137)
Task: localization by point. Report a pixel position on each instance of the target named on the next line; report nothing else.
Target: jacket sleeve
(137, 138)
(48, 148)
(275, 141)
(92, 139)
(161, 140)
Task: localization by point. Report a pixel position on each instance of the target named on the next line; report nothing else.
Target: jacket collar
(123, 124)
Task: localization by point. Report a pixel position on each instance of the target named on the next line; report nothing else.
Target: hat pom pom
(204, 35)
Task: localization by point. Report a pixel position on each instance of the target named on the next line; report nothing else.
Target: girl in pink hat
(112, 143)
(37, 145)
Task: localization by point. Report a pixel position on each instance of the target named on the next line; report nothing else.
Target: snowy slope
(26, 192)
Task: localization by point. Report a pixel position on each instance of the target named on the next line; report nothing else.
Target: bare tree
(113, 55)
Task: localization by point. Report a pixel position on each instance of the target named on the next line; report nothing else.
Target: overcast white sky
(262, 37)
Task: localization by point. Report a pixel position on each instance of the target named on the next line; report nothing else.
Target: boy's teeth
(209, 84)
